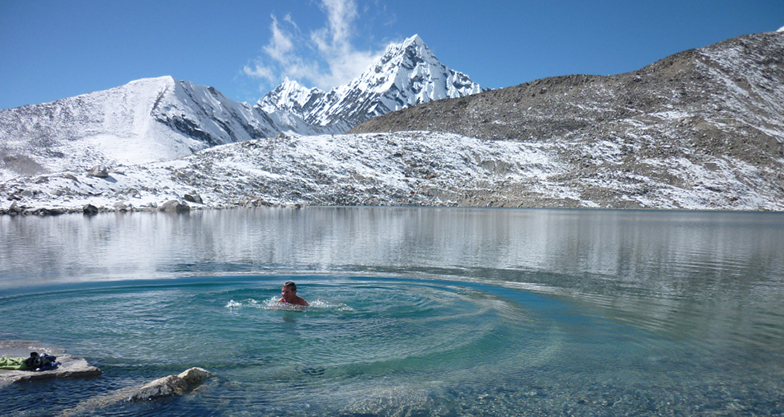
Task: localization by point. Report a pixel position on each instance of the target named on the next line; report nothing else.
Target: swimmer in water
(289, 295)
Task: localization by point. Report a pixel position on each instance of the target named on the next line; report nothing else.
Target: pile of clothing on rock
(35, 362)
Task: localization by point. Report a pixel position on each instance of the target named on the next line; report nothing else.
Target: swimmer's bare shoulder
(299, 301)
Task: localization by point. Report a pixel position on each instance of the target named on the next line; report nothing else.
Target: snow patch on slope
(112, 126)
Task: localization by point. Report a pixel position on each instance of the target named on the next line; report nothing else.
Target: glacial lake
(414, 311)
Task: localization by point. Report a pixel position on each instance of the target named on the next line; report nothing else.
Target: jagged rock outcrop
(98, 171)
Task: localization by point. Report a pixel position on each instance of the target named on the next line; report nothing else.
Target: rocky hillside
(407, 168)
(709, 118)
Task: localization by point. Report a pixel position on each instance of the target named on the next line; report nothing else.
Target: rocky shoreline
(171, 206)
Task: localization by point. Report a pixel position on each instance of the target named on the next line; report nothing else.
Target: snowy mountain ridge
(163, 118)
(145, 120)
(290, 96)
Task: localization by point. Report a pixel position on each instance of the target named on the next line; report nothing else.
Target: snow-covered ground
(404, 168)
(378, 169)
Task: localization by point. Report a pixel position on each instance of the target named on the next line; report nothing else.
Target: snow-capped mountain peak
(411, 67)
(290, 96)
(407, 73)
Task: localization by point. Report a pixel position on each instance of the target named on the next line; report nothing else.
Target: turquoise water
(413, 311)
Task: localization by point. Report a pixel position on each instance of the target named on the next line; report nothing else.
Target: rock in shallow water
(170, 385)
(90, 209)
(159, 388)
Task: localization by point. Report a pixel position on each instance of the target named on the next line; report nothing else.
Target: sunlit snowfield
(414, 311)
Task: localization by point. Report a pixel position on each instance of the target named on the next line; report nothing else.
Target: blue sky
(56, 49)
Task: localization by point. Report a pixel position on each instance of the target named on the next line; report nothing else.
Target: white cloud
(280, 44)
(325, 58)
(341, 13)
(259, 71)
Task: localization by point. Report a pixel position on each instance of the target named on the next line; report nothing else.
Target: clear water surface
(413, 311)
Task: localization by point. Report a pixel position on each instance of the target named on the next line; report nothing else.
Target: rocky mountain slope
(707, 121)
(395, 169)
(407, 168)
(407, 74)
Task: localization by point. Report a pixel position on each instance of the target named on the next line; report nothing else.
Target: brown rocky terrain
(714, 110)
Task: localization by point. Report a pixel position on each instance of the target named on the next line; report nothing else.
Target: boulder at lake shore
(175, 206)
(70, 366)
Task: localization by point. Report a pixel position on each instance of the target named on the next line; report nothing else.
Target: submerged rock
(159, 388)
(171, 385)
